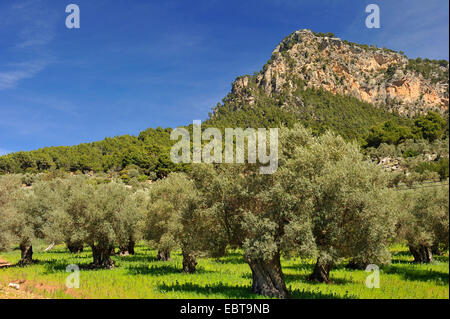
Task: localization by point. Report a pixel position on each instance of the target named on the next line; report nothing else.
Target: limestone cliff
(382, 77)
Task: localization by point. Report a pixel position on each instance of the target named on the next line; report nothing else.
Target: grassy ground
(141, 276)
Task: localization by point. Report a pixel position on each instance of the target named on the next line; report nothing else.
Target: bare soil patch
(12, 293)
(4, 263)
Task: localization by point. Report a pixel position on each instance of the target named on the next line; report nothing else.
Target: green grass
(141, 276)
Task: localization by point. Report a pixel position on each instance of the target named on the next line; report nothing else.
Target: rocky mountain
(318, 80)
(379, 76)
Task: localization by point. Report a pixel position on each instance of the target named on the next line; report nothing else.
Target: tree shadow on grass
(226, 290)
(304, 294)
(37, 259)
(59, 251)
(53, 266)
(137, 258)
(406, 253)
(290, 278)
(238, 291)
(402, 262)
(231, 258)
(410, 258)
(305, 278)
(415, 274)
(161, 270)
(84, 260)
(18, 265)
(308, 267)
(443, 259)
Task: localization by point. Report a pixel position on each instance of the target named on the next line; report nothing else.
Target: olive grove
(173, 218)
(325, 201)
(424, 221)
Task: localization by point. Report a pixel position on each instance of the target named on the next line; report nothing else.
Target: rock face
(379, 76)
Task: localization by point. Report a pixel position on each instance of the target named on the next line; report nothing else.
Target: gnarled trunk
(355, 264)
(421, 253)
(163, 255)
(131, 245)
(189, 262)
(268, 278)
(220, 251)
(127, 249)
(75, 247)
(26, 254)
(321, 271)
(102, 257)
(438, 249)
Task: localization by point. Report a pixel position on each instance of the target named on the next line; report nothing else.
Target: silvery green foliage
(29, 211)
(325, 199)
(9, 189)
(122, 210)
(39, 203)
(344, 196)
(96, 214)
(69, 221)
(171, 217)
(252, 210)
(424, 218)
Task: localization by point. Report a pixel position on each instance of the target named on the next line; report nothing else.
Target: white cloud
(9, 79)
(4, 151)
(416, 27)
(34, 27)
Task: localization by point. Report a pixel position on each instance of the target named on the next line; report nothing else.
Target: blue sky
(135, 64)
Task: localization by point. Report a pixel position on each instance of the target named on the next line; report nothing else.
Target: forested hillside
(297, 85)
(149, 151)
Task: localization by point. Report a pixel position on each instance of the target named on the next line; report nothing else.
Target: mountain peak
(379, 76)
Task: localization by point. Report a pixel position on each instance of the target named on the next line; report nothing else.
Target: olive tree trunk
(321, 271)
(76, 247)
(163, 255)
(421, 253)
(356, 265)
(220, 251)
(189, 262)
(127, 249)
(26, 254)
(268, 278)
(131, 245)
(102, 256)
(437, 250)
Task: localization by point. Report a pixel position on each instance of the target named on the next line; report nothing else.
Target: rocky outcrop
(378, 76)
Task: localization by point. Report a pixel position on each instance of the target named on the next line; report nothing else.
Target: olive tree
(6, 215)
(324, 199)
(424, 221)
(251, 214)
(98, 216)
(253, 211)
(33, 207)
(129, 221)
(172, 218)
(347, 200)
(9, 189)
(112, 213)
